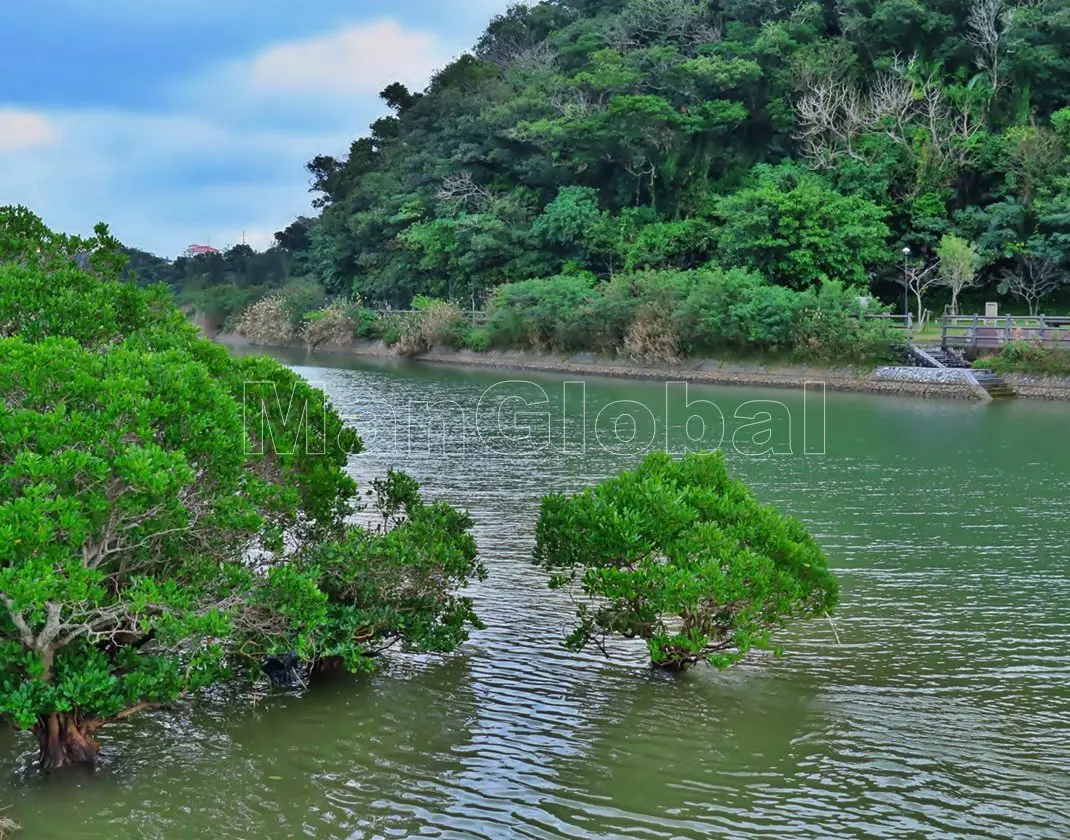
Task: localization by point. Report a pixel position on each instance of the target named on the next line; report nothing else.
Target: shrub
(545, 314)
(300, 297)
(441, 324)
(659, 315)
(477, 340)
(680, 555)
(736, 309)
(832, 327)
(391, 329)
(219, 305)
(366, 322)
(1028, 357)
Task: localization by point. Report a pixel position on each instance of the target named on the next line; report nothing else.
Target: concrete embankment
(1039, 387)
(915, 382)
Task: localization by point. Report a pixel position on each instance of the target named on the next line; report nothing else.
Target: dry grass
(651, 338)
(265, 322)
(441, 324)
(330, 325)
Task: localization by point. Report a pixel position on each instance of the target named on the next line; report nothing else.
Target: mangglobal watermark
(517, 416)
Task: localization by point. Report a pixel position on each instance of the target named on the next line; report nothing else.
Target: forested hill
(804, 140)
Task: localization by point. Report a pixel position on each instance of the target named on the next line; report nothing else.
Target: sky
(190, 121)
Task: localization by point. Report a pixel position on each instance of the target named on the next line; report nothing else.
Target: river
(936, 705)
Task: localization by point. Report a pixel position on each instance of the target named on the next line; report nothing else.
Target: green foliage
(959, 264)
(809, 142)
(707, 309)
(169, 513)
(300, 297)
(551, 313)
(832, 328)
(800, 233)
(478, 340)
(350, 598)
(1028, 357)
(686, 243)
(680, 555)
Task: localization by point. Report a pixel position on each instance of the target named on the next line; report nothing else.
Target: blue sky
(180, 121)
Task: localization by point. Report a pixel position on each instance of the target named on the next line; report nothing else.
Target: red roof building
(200, 250)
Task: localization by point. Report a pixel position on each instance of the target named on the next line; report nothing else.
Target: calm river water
(938, 705)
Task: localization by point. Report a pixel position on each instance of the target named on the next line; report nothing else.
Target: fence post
(973, 332)
(910, 327)
(943, 333)
(1043, 330)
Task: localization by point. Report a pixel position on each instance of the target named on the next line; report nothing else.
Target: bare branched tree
(575, 103)
(527, 55)
(1036, 278)
(892, 104)
(463, 189)
(986, 29)
(918, 279)
(831, 115)
(686, 23)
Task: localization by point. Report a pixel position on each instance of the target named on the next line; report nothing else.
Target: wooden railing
(899, 322)
(981, 332)
(475, 317)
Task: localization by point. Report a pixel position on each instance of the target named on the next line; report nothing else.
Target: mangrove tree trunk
(65, 739)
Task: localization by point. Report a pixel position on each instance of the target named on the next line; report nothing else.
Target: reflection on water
(942, 711)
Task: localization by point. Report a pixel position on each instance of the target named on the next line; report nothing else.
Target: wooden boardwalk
(977, 331)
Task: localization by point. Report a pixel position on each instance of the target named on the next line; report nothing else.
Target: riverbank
(707, 371)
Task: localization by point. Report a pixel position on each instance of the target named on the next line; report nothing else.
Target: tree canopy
(164, 524)
(682, 556)
(809, 141)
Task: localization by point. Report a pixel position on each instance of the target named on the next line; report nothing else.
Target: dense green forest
(789, 146)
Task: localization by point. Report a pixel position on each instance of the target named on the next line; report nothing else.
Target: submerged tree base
(675, 666)
(66, 740)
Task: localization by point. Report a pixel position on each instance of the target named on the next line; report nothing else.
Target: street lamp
(906, 287)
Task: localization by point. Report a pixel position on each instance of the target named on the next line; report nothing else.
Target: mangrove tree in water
(165, 525)
(681, 555)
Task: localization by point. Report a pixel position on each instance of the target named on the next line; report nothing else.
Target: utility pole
(906, 285)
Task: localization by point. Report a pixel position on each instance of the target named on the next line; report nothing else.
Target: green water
(937, 706)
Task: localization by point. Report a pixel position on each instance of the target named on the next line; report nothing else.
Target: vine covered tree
(155, 536)
(681, 555)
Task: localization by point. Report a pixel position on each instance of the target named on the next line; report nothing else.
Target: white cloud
(224, 152)
(361, 59)
(21, 130)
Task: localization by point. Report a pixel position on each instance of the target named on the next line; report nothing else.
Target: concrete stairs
(994, 384)
(942, 357)
(939, 357)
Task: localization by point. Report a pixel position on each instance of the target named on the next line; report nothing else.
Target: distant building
(199, 250)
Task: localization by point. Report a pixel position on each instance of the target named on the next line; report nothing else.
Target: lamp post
(906, 287)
